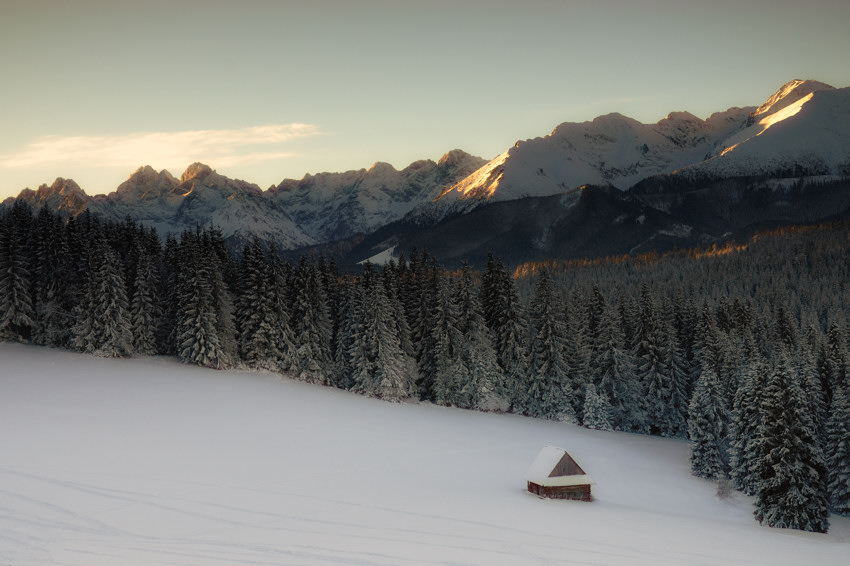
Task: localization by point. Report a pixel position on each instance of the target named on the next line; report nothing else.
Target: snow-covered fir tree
(614, 378)
(578, 348)
(350, 327)
(790, 470)
(838, 450)
(282, 338)
(707, 428)
(596, 411)
(144, 306)
(196, 328)
(548, 393)
(221, 276)
(509, 332)
(837, 356)
(650, 364)
(257, 321)
(390, 277)
(485, 389)
(380, 367)
(446, 372)
(54, 281)
(312, 326)
(102, 324)
(676, 374)
(17, 314)
(421, 289)
(744, 425)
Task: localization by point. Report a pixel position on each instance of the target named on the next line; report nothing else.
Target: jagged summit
(381, 168)
(196, 171)
(802, 130)
(63, 195)
(453, 158)
(145, 182)
(788, 94)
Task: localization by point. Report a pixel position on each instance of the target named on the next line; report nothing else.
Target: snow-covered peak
(790, 93)
(610, 150)
(382, 168)
(62, 187)
(482, 183)
(145, 183)
(804, 132)
(617, 150)
(195, 170)
(63, 195)
(454, 157)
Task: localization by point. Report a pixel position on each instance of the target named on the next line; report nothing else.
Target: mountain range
(609, 186)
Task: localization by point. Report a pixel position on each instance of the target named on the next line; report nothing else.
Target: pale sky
(268, 90)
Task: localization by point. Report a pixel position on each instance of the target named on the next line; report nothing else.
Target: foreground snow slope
(145, 461)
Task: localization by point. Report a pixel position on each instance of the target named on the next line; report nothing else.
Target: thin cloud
(162, 149)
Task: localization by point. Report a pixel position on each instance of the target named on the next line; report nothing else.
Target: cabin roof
(554, 467)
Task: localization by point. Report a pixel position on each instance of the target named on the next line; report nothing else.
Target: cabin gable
(566, 466)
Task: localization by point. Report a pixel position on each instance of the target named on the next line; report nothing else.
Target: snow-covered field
(146, 461)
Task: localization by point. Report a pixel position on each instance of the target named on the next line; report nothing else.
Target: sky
(268, 90)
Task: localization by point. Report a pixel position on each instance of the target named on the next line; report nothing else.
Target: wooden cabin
(556, 475)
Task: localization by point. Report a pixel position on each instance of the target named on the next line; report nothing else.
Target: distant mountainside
(611, 185)
(333, 206)
(776, 139)
(680, 182)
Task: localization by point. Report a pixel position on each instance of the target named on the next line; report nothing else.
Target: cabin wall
(572, 492)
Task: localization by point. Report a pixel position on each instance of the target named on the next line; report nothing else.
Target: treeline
(745, 353)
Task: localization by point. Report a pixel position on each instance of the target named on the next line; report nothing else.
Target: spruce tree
(578, 348)
(392, 288)
(113, 310)
(221, 275)
(350, 329)
(256, 318)
(650, 364)
(790, 470)
(837, 357)
(17, 314)
(281, 337)
(596, 411)
(744, 425)
(548, 392)
(615, 377)
(420, 301)
(380, 368)
(144, 306)
(312, 326)
(675, 373)
(54, 281)
(707, 428)
(510, 339)
(446, 373)
(838, 450)
(102, 325)
(196, 329)
(485, 389)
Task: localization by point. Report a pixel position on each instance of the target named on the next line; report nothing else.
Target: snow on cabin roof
(546, 470)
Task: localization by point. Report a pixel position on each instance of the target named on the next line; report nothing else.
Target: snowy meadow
(149, 461)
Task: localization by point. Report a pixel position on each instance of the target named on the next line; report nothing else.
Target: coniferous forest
(742, 349)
